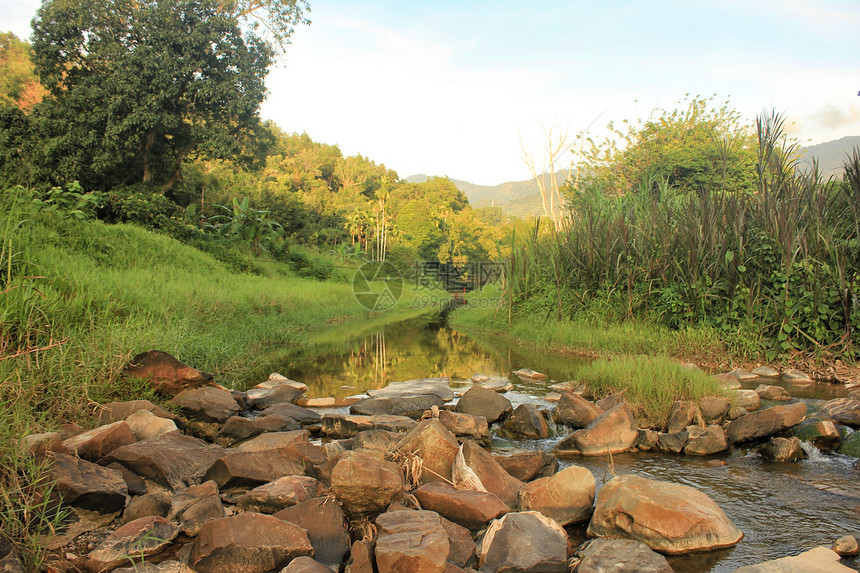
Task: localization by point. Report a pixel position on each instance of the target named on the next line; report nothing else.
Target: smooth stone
(500, 385)
(818, 560)
(565, 497)
(528, 465)
(749, 400)
(712, 440)
(714, 409)
(619, 556)
(765, 422)
(156, 504)
(305, 564)
(527, 374)
(346, 426)
(166, 374)
(116, 411)
(783, 450)
(323, 520)
(361, 558)
(147, 426)
(273, 440)
(466, 425)
(743, 374)
(265, 397)
(281, 493)
(304, 416)
(523, 541)
(846, 546)
(727, 381)
(766, 372)
(412, 406)
(471, 509)
(797, 377)
(526, 421)
(238, 428)
(480, 401)
(328, 402)
(612, 432)
(366, 484)
(437, 386)
(771, 392)
(842, 410)
(207, 404)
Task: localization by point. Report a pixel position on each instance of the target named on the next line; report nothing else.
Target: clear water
(783, 509)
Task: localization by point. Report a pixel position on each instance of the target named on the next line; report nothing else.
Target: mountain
(831, 155)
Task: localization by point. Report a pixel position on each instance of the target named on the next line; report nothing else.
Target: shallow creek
(783, 509)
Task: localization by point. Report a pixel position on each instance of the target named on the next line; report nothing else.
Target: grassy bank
(78, 298)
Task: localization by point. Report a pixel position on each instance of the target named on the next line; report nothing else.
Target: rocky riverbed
(406, 480)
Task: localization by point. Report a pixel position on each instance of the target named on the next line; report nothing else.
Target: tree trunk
(176, 174)
(147, 156)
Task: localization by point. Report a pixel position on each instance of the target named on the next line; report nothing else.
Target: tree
(138, 86)
(19, 85)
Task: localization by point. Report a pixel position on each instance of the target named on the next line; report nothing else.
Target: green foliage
(19, 85)
(242, 222)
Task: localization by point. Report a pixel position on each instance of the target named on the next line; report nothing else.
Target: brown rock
(343, 426)
(647, 440)
(323, 519)
(378, 440)
(40, 444)
(162, 567)
(528, 465)
(304, 416)
(714, 409)
(411, 541)
(471, 509)
(783, 450)
(195, 506)
(620, 556)
(524, 541)
(262, 398)
(842, 410)
(461, 546)
(575, 411)
(152, 504)
(529, 375)
(706, 442)
(818, 560)
(139, 539)
(305, 565)
(771, 392)
(361, 558)
(480, 401)
(608, 402)
(684, 413)
(86, 485)
(526, 421)
(237, 428)
(173, 460)
(167, 374)
(411, 405)
(846, 546)
(116, 411)
(673, 442)
(749, 400)
(366, 484)
(466, 425)
(10, 562)
(99, 442)
(765, 422)
(436, 386)
(207, 404)
(255, 468)
(435, 445)
(669, 518)
(566, 497)
(613, 431)
(494, 477)
(279, 494)
(273, 440)
(247, 543)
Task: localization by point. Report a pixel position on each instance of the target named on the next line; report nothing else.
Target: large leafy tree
(139, 86)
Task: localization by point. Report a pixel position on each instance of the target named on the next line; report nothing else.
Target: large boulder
(523, 541)
(818, 560)
(247, 543)
(99, 442)
(166, 374)
(323, 519)
(410, 405)
(87, 485)
(255, 467)
(131, 542)
(611, 432)
(575, 411)
(147, 426)
(207, 404)
(173, 460)
(526, 421)
(413, 541)
(431, 441)
(480, 401)
(711, 440)
(820, 433)
(684, 413)
(346, 426)
(771, 392)
(492, 475)
(714, 409)
(471, 509)
(566, 497)
(304, 416)
(843, 410)
(765, 422)
(272, 440)
(670, 518)
(619, 556)
(466, 425)
(528, 465)
(749, 400)
(262, 398)
(436, 386)
(366, 484)
(782, 450)
(850, 445)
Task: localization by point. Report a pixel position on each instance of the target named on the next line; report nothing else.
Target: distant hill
(522, 198)
(831, 155)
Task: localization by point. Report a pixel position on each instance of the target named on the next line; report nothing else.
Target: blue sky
(460, 88)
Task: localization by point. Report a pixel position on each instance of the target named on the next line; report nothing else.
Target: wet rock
(524, 541)
(526, 421)
(147, 426)
(565, 497)
(273, 440)
(783, 450)
(480, 401)
(87, 485)
(360, 558)
(412, 406)
(366, 484)
(155, 504)
(10, 562)
(413, 541)
(850, 446)
(749, 400)
(323, 519)
(500, 385)
(466, 425)
(436, 386)
(797, 377)
(40, 444)
(842, 410)
(173, 460)
(765, 422)
(684, 413)
(166, 374)
(435, 445)
(820, 433)
(619, 556)
(207, 404)
(344, 426)
(262, 398)
(99, 442)
(471, 509)
(305, 565)
(818, 560)
(140, 538)
(238, 428)
(647, 440)
(613, 431)
(714, 409)
(727, 381)
(846, 546)
(766, 372)
(673, 442)
(529, 375)
(304, 416)
(116, 411)
(711, 440)
(528, 465)
(281, 493)
(492, 475)
(195, 506)
(238, 469)
(770, 392)
(609, 402)
(247, 543)
(743, 374)
(669, 518)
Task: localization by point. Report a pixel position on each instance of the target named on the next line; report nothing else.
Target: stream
(783, 509)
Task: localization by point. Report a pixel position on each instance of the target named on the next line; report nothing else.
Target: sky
(460, 88)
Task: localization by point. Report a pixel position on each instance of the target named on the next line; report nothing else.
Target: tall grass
(772, 271)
